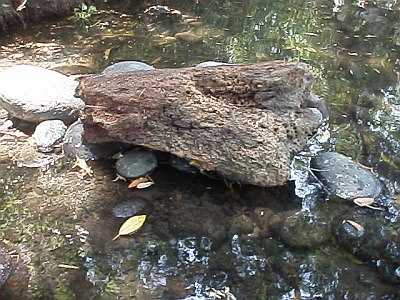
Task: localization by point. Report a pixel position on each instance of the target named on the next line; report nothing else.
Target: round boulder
(128, 208)
(128, 66)
(302, 230)
(47, 134)
(35, 94)
(136, 163)
(345, 178)
(74, 146)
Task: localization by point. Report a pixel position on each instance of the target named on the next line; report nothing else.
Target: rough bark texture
(243, 121)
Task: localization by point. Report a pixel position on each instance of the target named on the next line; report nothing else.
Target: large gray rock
(345, 178)
(35, 94)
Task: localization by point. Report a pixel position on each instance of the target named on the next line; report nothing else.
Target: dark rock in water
(128, 66)
(345, 178)
(315, 103)
(44, 94)
(301, 230)
(182, 164)
(128, 208)
(47, 134)
(161, 12)
(5, 265)
(378, 241)
(136, 163)
(74, 146)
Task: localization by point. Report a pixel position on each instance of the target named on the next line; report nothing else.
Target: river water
(58, 226)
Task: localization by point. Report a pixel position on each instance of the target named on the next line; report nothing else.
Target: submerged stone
(47, 134)
(199, 221)
(128, 208)
(182, 164)
(376, 240)
(128, 66)
(136, 163)
(345, 178)
(302, 230)
(35, 94)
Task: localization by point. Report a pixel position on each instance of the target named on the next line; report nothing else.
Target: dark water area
(204, 237)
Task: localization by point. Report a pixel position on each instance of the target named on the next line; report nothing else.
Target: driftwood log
(243, 121)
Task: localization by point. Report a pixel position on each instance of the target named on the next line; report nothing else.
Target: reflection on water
(52, 218)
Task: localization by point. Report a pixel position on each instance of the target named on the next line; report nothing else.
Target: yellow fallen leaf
(81, 163)
(357, 226)
(131, 225)
(135, 183)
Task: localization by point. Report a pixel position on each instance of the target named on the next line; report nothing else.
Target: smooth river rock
(35, 94)
(74, 146)
(345, 178)
(128, 66)
(136, 163)
(47, 134)
(128, 208)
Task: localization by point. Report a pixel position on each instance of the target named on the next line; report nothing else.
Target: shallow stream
(204, 236)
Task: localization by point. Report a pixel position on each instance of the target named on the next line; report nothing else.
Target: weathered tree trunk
(243, 121)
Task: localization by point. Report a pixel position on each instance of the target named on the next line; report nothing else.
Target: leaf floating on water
(136, 182)
(366, 202)
(357, 226)
(144, 185)
(131, 225)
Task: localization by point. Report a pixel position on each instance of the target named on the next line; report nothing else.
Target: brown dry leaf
(363, 201)
(135, 183)
(357, 226)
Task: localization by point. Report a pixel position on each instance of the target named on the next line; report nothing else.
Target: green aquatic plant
(83, 13)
